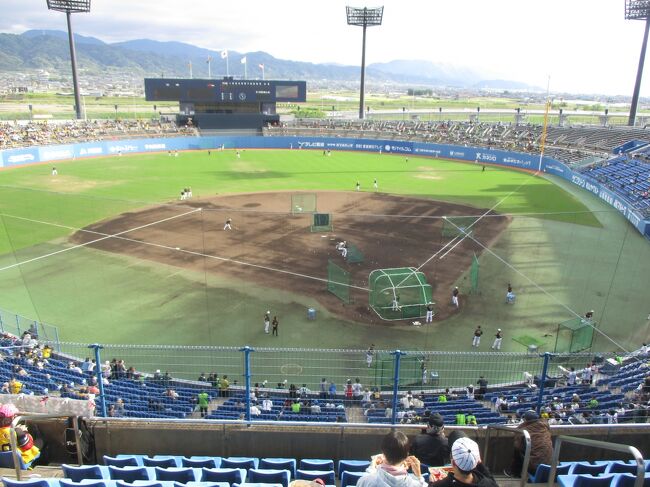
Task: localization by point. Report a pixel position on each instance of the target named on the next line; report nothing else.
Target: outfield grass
(94, 296)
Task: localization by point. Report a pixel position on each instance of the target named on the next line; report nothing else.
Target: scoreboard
(226, 90)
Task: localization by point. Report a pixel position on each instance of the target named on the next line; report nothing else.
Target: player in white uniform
(228, 226)
(429, 312)
(497, 340)
(54, 171)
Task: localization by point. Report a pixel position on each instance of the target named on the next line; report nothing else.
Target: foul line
(106, 236)
(166, 247)
(540, 288)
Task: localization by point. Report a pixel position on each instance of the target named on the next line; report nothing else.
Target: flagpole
(262, 72)
(209, 68)
(246, 69)
(190, 66)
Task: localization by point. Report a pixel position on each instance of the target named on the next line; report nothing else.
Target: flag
(224, 54)
(243, 60)
(209, 59)
(261, 66)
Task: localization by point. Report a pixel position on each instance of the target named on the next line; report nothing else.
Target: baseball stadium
(366, 266)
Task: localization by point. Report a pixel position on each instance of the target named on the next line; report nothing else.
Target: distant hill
(48, 49)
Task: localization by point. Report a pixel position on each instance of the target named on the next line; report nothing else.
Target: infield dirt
(271, 247)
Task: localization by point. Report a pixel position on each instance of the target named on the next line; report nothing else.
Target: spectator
(467, 468)
(482, 388)
(223, 386)
(15, 386)
(25, 442)
(203, 400)
(332, 390)
(391, 467)
(431, 447)
(541, 446)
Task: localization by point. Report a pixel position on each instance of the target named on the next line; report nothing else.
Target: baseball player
(238, 155)
(396, 302)
(375, 184)
(476, 341)
(497, 340)
(358, 186)
(275, 325)
(370, 355)
(228, 225)
(267, 322)
(54, 171)
(429, 312)
(454, 297)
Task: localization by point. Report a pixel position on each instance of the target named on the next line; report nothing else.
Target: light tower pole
(364, 17)
(638, 10)
(70, 7)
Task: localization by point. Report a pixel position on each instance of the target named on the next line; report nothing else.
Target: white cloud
(584, 45)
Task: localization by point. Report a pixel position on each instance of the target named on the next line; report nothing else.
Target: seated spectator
(467, 468)
(172, 394)
(391, 467)
(25, 442)
(431, 447)
(15, 386)
(541, 446)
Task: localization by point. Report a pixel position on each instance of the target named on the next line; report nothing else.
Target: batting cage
(384, 370)
(338, 281)
(457, 226)
(322, 222)
(354, 254)
(399, 293)
(303, 203)
(574, 335)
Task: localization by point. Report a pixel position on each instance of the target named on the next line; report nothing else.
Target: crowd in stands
(567, 144)
(18, 134)
(592, 394)
(628, 175)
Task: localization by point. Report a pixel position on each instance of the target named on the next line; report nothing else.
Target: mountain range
(48, 50)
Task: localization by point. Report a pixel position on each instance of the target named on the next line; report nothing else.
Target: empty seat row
(606, 480)
(56, 482)
(586, 468)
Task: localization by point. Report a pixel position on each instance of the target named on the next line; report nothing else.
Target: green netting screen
(354, 255)
(456, 226)
(384, 370)
(473, 274)
(399, 293)
(303, 203)
(322, 222)
(574, 335)
(338, 281)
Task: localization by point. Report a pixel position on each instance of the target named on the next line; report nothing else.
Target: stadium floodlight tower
(638, 10)
(364, 17)
(71, 7)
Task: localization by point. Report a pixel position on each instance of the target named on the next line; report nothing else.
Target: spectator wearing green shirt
(295, 407)
(203, 400)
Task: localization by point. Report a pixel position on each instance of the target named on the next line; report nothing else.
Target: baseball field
(106, 251)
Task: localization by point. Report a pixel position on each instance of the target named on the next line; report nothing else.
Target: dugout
(399, 293)
(226, 103)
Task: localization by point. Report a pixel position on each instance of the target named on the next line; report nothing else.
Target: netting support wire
(175, 249)
(540, 288)
(105, 237)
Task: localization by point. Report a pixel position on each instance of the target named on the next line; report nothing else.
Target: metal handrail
(516, 431)
(13, 438)
(640, 465)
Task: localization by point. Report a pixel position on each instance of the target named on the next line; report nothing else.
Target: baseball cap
(530, 415)
(465, 454)
(436, 419)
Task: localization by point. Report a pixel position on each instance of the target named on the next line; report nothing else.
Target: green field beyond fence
(563, 250)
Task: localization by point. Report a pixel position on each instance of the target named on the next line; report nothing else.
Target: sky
(585, 46)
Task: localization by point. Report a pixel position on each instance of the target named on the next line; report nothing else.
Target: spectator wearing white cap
(467, 466)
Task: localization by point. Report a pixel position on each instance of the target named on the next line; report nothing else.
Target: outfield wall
(53, 153)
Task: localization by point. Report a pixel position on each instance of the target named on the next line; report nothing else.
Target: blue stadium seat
(543, 471)
(205, 462)
(121, 461)
(138, 483)
(230, 475)
(621, 467)
(587, 468)
(269, 476)
(26, 483)
(280, 464)
(84, 472)
(69, 483)
(350, 478)
(7, 461)
(628, 480)
(352, 466)
(585, 480)
(159, 462)
(175, 474)
(327, 476)
(128, 474)
(239, 462)
(316, 464)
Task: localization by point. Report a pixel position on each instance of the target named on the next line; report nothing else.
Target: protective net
(338, 281)
(322, 222)
(574, 335)
(399, 293)
(303, 203)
